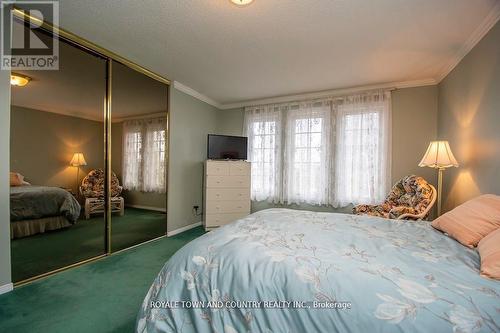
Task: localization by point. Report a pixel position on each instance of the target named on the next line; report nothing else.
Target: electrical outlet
(195, 209)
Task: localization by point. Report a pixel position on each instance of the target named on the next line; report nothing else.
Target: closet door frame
(110, 57)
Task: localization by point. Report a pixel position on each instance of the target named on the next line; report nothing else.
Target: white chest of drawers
(227, 192)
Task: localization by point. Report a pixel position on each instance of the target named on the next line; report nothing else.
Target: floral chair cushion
(411, 195)
(93, 185)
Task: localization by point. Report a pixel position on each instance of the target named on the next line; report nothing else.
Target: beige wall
(414, 125)
(5, 276)
(132, 198)
(190, 122)
(42, 144)
(230, 122)
(469, 117)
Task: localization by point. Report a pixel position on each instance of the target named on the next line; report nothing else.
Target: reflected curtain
(154, 155)
(132, 155)
(144, 154)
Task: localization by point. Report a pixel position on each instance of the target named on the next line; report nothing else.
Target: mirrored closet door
(139, 135)
(57, 151)
(88, 157)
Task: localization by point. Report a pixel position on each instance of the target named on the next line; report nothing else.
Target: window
(307, 154)
(263, 128)
(333, 151)
(363, 152)
(144, 159)
(263, 152)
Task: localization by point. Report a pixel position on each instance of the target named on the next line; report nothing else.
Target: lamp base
(440, 187)
(77, 179)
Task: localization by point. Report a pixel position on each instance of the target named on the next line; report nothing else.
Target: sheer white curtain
(263, 127)
(144, 159)
(363, 148)
(333, 151)
(307, 153)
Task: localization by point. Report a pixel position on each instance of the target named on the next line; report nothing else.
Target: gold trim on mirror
(88, 44)
(107, 154)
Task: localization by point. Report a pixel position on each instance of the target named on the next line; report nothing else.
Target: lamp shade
(78, 160)
(241, 2)
(438, 156)
(19, 80)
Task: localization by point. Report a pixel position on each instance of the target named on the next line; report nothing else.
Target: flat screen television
(225, 147)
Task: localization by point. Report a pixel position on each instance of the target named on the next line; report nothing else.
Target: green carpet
(103, 296)
(42, 253)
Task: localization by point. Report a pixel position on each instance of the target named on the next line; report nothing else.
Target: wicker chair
(92, 189)
(412, 198)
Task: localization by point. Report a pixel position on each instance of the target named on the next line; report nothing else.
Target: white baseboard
(186, 228)
(156, 209)
(6, 288)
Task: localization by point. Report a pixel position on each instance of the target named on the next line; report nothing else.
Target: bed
(36, 209)
(342, 273)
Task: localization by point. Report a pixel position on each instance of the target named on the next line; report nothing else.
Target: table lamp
(439, 156)
(77, 161)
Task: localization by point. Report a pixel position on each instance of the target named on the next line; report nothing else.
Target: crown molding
(64, 113)
(330, 93)
(489, 22)
(191, 92)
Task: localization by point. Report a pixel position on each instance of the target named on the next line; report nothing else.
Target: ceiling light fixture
(241, 3)
(19, 80)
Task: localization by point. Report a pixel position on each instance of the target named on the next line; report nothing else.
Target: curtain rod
(149, 115)
(320, 97)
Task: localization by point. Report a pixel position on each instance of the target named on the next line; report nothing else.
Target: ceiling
(276, 48)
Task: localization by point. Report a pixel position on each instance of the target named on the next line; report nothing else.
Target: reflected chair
(411, 198)
(92, 189)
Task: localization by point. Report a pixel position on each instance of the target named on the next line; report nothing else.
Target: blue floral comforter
(283, 270)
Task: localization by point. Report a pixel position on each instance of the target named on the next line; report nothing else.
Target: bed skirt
(25, 228)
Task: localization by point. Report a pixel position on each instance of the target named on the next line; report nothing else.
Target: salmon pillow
(16, 179)
(489, 250)
(472, 220)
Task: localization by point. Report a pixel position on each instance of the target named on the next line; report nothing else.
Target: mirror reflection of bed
(57, 158)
